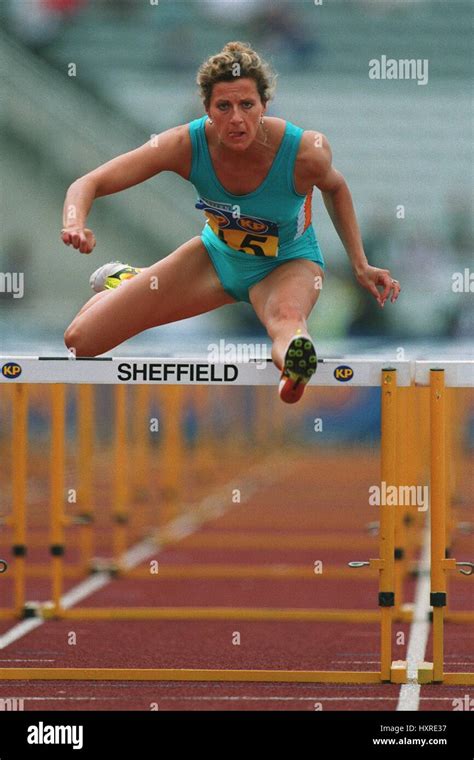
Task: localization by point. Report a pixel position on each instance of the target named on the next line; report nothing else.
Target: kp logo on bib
(343, 373)
(254, 225)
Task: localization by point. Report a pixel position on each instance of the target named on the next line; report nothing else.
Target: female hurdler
(255, 177)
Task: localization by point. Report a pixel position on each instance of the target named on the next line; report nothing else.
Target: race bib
(248, 234)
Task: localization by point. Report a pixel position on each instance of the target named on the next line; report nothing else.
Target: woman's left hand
(371, 278)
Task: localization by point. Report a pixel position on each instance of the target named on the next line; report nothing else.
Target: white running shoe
(111, 275)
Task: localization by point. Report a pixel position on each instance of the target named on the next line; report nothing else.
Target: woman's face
(235, 110)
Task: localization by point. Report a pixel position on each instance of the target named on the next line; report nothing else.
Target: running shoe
(299, 366)
(111, 275)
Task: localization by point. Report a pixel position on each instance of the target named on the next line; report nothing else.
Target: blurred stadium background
(83, 81)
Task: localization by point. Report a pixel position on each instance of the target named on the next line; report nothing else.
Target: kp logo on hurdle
(12, 370)
(343, 373)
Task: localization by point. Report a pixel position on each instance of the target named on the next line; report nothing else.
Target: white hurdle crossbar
(190, 371)
(199, 371)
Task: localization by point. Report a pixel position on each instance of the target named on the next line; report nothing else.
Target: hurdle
(391, 378)
(439, 378)
(172, 456)
(171, 449)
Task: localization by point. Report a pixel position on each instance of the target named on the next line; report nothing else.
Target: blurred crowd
(423, 263)
(38, 23)
(275, 26)
(425, 266)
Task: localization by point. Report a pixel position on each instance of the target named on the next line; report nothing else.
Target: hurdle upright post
(402, 516)
(58, 426)
(19, 481)
(387, 518)
(449, 392)
(438, 516)
(120, 506)
(172, 456)
(204, 456)
(417, 466)
(85, 422)
(141, 453)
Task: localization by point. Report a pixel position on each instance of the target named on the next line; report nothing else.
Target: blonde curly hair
(222, 67)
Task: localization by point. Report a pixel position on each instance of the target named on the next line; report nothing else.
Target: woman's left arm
(317, 163)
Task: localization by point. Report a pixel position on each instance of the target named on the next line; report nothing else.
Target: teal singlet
(247, 236)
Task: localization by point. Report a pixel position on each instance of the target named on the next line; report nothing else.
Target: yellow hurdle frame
(398, 463)
(433, 672)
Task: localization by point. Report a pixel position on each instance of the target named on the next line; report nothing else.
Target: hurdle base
(175, 674)
(404, 614)
(7, 614)
(31, 610)
(425, 675)
(425, 672)
(399, 672)
(458, 616)
(459, 679)
(50, 611)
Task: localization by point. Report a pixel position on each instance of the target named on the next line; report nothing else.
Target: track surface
(304, 499)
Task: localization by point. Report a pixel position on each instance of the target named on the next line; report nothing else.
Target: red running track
(317, 495)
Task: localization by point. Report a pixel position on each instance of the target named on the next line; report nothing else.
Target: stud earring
(210, 121)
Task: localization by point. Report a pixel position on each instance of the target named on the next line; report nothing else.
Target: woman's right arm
(168, 151)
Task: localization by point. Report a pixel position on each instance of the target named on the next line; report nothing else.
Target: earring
(210, 121)
(261, 120)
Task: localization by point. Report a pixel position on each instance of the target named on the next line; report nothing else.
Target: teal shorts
(239, 271)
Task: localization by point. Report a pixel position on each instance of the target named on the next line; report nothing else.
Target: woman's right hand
(79, 237)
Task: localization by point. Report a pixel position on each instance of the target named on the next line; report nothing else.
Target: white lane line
(19, 630)
(72, 699)
(317, 698)
(212, 506)
(23, 660)
(356, 662)
(409, 698)
(84, 589)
